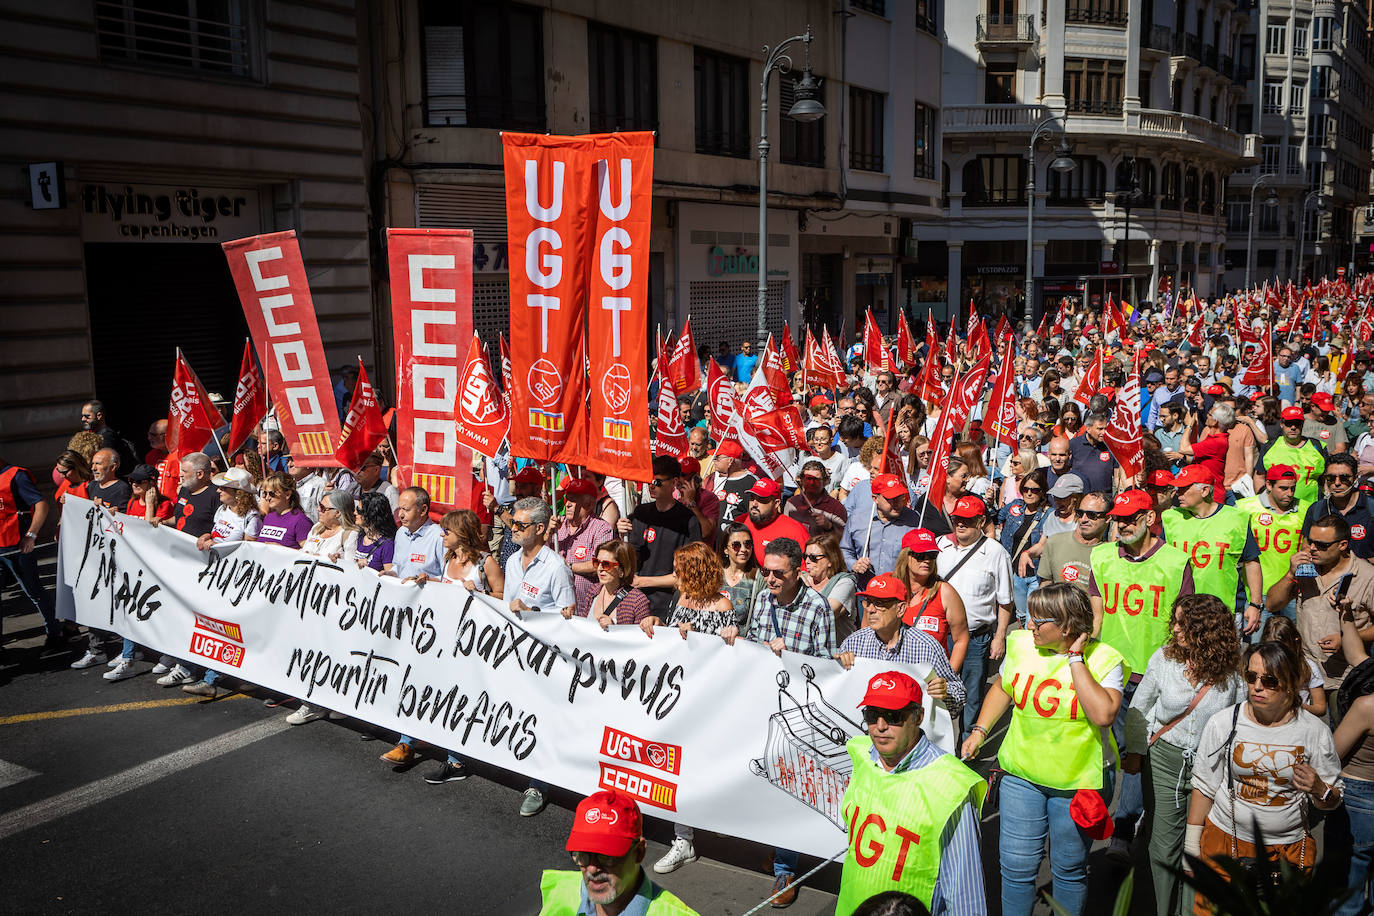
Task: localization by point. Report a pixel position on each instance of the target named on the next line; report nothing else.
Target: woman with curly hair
(1196, 674)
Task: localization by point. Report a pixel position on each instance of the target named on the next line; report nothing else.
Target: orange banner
(431, 319)
(270, 278)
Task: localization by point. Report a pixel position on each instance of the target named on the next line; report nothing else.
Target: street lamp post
(1270, 201)
(1126, 200)
(807, 107)
(1302, 227)
(1062, 163)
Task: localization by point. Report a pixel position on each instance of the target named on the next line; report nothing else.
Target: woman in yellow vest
(1065, 690)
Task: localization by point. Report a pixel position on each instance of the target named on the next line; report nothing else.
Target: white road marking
(93, 793)
(11, 773)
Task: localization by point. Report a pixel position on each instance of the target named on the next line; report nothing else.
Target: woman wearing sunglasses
(1259, 766)
(1195, 675)
(1064, 690)
(616, 601)
(825, 573)
(1022, 523)
(932, 605)
(741, 581)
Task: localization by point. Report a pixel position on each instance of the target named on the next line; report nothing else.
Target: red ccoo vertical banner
(270, 277)
(617, 441)
(431, 320)
(548, 193)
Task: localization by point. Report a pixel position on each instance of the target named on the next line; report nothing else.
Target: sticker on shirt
(580, 552)
(928, 624)
(1016, 511)
(650, 535)
(1325, 434)
(1069, 573)
(418, 558)
(1266, 518)
(271, 533)
(1357, 532)
(529, 590)
(1104, 457)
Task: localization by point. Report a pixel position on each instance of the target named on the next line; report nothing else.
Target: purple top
(288, 529)
(378, 554)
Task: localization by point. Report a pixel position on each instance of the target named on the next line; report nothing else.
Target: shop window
(623, 79)
(722, 104)
(483, 65)
(800, 142)
(866, 129)
(1087, 182)
(995, 181)
(210, 36)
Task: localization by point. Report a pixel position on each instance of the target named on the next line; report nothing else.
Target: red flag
(1195, 333)
(889, 459)
(978, 339)
(191, 418)
(480, 416)
(967, 389)
(929, 389)
(1091, 381)
(753, 420)
(683, 370)
(363, 427)
(1123, 431)
(906, 344)
(972, 317)
(505, 370)
(250, 401)
(721, 392)
(952, 345)
(1057, 330)
(791, 360)
(670, 438)
(1042, 332)
(817, 371)
(837, 366)
(1314, 327)
(999, 420)
(1257, 371)
(875, 354)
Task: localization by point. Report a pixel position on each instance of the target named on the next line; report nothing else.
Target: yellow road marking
(95, 710)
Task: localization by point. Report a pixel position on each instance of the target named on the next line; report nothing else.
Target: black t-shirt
(656, 537)
(734, 505)
(116, 493)
(194, 513)
(1360, 518)
(1094, 464)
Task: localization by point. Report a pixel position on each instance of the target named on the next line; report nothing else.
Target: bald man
(105, 486)
(1061, 458)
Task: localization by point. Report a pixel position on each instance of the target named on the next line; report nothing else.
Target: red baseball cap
(889, 486)
(1107, 391)
(766, 488)
(1089, 811)
(892, 690)
(578, 486)
(729, 449)
(1161, 478)
(888, 586)
(529, 474)
(690, 466)
(818, 400)
(1194, 473)
(1291, 413)
(1281, 472)
(1216, 390)
(969, 507)
(919, 540)
(1130, 502)
(607, 823)
(1322, 401)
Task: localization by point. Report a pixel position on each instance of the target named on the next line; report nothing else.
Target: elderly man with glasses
(1296, 450)
(1344, 498)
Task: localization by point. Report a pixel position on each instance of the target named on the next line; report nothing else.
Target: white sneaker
(303, 715)
(678, 855)
(138, 657)
(92, 658)
(176, 677)
(119, 672)
(161, 668)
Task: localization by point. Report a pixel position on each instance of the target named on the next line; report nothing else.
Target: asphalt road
(127, 794)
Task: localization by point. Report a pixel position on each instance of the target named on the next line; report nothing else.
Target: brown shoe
(788, 885)
(400, 754)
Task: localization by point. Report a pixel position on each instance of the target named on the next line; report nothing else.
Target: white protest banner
(726, 738)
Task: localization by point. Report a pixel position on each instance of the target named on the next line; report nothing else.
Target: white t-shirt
(835, 467)
(343, 542)
(230, 526)
(984, 582)
(855, 473)
(1261, 763)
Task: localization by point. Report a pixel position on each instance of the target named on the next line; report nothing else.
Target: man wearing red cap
(912, 808)
(1296, 450)
(1322, 425)
(1276, 519)
(730, 482)
(1217, 540)
(766, 520)
(872, 540)
(607, 845)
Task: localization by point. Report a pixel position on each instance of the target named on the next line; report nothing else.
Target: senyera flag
(684, 372)
(270, 278)
(721, 391)
(481, 418)
(431, 319)
(363, 426)
(791, 360)
(191, 418)
(250, 400)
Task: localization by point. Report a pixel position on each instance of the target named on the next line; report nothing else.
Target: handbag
(1263, 866)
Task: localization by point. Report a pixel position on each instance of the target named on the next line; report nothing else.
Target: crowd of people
(1173, 659)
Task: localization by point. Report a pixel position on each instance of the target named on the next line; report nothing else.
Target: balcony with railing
(1095, 14)
(1186, 44)
(1005, 30)
(978, 119)
(1157, 39)
(1185, 127)
(1107, 107)
(1209, 56)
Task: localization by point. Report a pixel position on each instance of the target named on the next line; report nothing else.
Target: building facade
(138, 137)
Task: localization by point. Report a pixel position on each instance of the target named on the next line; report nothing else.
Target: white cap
(235, 479)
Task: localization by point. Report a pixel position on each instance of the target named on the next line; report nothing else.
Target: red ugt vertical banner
(431, 320)
(617, 440)
(270, 277)
(548, 180)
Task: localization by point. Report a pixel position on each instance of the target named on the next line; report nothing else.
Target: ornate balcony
(1005, 31)
(978, 119)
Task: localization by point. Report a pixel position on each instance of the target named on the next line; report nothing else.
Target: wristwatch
(30, 534)
(1258, 607)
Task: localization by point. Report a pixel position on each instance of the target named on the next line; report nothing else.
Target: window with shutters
(210, 36)
(623, 79)
(1276, 37)
(799, 142)
(722, 104)
(483, 65)
(866, 138)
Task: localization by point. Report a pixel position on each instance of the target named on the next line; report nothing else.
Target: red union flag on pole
(505, 373)
(684, 372)
(191, 418)
(999, 423)
(721, 392)
(480, 416)
(270, 278)
(1123, 432)
(1091, 381)
(832, 359)
(791, 360)
(670, 437)
(875, 354)
(431, 319)
(250, 401)
(906, 344)
(1257, 371)
(363, 427)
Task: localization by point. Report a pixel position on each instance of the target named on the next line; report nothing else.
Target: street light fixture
(1127, 199)
(1272, 200)
(806, 107)
(1314, 200)
(1062, 164)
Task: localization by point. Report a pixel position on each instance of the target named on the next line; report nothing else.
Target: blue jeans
(23, 567)
(974, 675)
(785, 862)
(1350, 842)
(1030, 814)
(1290, 610)
(1132, 803)
(1021, 587)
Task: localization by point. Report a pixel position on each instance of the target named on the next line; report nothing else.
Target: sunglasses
(1267, 681)
(1033, 490)
(742, 545)
(521, 526)
(815, 557)
(773, 573)
(1320, 545)
(894, 717)
(660, 482)
(1338, 478)
(1095, 516)
(600, 860)
(1291, 422)
(1027, 437)
(606, 565)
